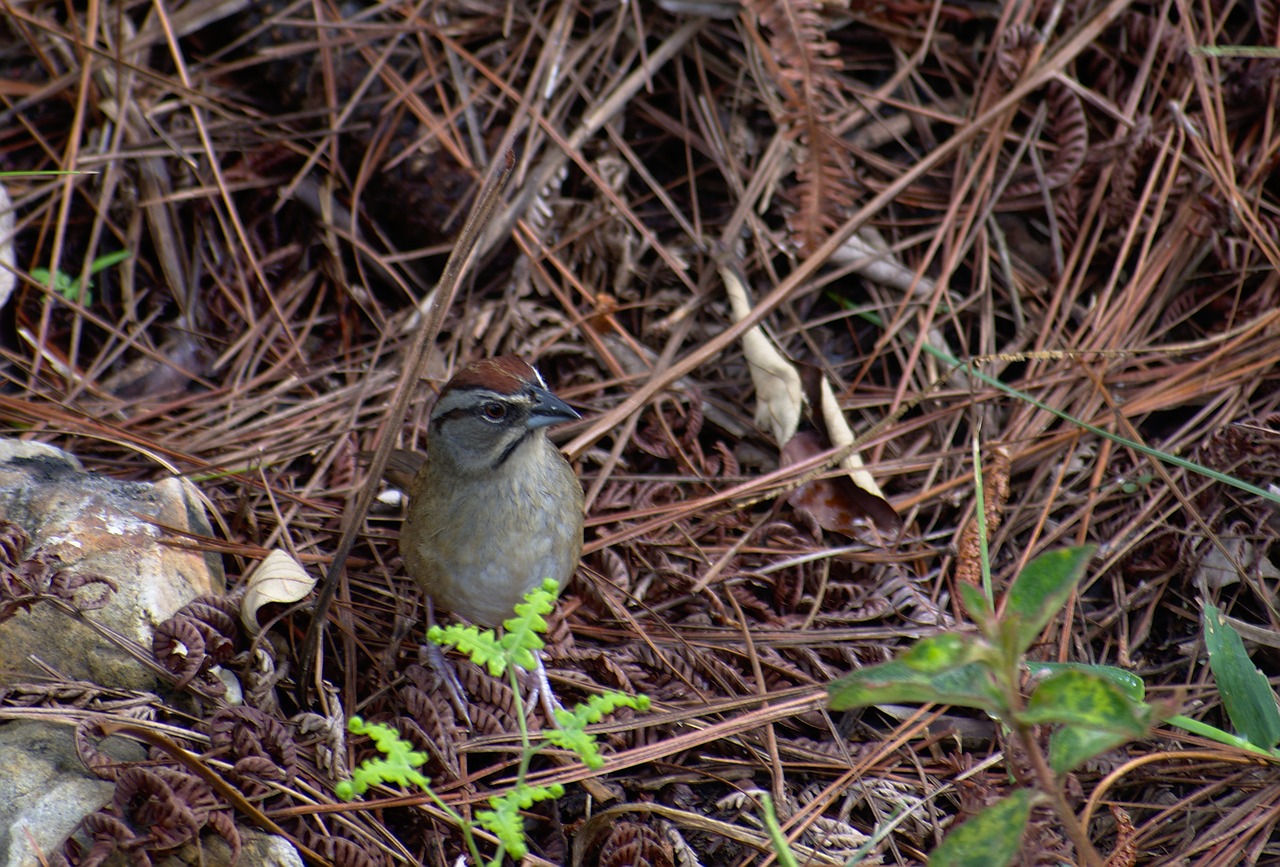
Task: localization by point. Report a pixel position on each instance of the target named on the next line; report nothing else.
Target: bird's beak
(549, 409)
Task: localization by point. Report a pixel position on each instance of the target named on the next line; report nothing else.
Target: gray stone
(97, 525)
(256, 848)
(46, 790)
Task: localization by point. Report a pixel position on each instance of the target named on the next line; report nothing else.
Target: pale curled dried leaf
(8, 261)
(1224, 562)
(870, 256)
(779, 397)
(278, 578)
(829, 418)
(840, 434)
(781, 394)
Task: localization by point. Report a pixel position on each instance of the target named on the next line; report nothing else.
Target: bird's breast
(477, 547)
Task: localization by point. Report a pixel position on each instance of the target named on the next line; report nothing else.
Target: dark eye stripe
(472, 400)
(509, 450)
(453, 413)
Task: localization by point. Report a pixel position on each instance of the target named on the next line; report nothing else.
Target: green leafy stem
(515, 649)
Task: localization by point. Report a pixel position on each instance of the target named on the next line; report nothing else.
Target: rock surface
(82, 557)
(45, 790)
(82, 524)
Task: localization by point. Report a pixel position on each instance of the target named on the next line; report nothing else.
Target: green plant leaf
(781, 848)
(1246, 694)
(481, 645)
(1213, 733)
(399, 765)
(1130, 684)
(892, 682)
(1072, 746)
(1039, 592)
(979, 607)
(1087, 699)
(504, 820)
(62, 283)
(505, 823)
(579, 742)
(106, 260)
(522, 639)
(989, 839)
(570, 732)
(941, 652)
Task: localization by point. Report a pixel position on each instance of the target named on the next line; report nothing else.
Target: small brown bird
(494, 508)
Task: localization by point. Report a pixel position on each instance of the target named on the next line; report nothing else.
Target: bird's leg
(432, 656)
(540, 688)
(536, 680)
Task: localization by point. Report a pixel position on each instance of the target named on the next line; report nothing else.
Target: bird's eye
(494, 411)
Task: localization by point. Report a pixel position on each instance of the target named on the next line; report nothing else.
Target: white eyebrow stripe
(470, 397)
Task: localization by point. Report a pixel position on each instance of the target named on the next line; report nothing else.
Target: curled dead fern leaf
(807, 73)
